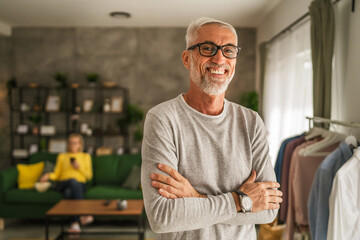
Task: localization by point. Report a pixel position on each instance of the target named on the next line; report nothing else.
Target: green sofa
(110, 172)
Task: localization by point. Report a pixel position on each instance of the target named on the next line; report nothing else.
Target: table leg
(62, 233)
(46, 228)
(141, 225)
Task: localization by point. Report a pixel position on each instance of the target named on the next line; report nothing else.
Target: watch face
(246, 203)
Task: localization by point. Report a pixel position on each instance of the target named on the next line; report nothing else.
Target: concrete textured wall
(147, 61)
(5, 73)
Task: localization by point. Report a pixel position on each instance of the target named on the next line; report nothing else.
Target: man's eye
(229, 50)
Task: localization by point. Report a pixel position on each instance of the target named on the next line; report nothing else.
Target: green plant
(61, 78)
(92, 77)
(35, 118)
(134, 116)
(42, 144)
(11, 83)
(250, 100)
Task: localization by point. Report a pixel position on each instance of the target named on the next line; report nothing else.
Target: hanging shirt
(344, 202)
(284, 183)
(280, 156)
(303, 169)
(318, 204)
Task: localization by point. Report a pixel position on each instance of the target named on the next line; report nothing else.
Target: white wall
(5, 29)
(290, 10)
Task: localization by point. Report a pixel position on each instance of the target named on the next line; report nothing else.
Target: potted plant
(37, 104)
(61, 78)
(250, 100)
(36, 119)
(11, 83)
(92, 78)
(133, 117)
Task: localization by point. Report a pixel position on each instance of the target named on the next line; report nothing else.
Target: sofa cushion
(43, 156)
(127, 161)
(105, 169)
(29, 174)
(112, 192)
(133, 180)
(31, 196)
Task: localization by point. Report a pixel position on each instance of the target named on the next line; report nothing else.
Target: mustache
(214, 65)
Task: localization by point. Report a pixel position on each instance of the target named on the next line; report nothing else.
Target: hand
(75, 164)
(262, 194)
(174, 185)
(45, 177)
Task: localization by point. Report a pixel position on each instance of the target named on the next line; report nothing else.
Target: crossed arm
(263, 194)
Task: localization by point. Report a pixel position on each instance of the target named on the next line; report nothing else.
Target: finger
(252, 177)
(273, 206)
(274, 192)
(271, 184)
(276, 200)
(172, 172)
(165, 179)
(166, 194)
(165, 187)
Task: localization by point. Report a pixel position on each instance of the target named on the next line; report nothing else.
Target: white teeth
(221, 71)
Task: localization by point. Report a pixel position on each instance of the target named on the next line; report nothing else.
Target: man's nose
(218, 57)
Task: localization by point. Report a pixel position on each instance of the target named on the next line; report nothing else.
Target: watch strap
(240, 193)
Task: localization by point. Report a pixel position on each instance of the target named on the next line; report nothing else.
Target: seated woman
(71, 172)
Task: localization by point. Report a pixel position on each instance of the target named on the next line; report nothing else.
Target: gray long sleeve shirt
(216, 154)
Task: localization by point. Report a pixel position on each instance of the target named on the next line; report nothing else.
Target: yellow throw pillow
(29, 174)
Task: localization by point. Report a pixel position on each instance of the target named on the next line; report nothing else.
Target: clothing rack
(300, 19)
(326, 120)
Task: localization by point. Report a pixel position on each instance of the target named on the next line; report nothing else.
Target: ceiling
(144, 13)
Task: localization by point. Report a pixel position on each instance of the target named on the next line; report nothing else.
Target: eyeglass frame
(217, 49)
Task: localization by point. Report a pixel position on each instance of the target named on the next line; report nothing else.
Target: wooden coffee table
(68, 208)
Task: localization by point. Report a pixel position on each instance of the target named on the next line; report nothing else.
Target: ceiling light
(121, 15)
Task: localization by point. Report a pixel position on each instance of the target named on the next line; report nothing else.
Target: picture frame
(104, 151)
(117, 104)
(20, 153)
(22, 129)
(88, 105)
(84, 127)
(47, 130)
(53, 103)
(57, 146)
(33, 148)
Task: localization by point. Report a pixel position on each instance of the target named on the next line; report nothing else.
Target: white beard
(209, 86)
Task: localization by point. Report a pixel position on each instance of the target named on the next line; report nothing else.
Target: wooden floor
(35, 230)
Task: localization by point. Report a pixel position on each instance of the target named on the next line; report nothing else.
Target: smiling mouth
(220, 71)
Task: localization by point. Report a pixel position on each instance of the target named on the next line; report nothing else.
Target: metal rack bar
(341, 123)
(300, 19)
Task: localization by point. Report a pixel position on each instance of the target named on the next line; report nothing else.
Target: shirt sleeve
(182, 214)
(264, 172)
(54, 176)
(86, 168)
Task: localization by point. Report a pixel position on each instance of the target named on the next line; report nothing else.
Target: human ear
(186, 59)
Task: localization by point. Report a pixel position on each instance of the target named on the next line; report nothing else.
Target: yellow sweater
(64, 170)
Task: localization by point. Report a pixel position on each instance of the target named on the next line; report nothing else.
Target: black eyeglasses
(209, 49)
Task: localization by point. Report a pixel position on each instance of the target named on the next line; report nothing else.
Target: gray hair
(191, 33)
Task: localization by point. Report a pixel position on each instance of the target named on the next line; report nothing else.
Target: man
(199, 150)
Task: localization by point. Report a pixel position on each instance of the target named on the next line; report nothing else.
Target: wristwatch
(245, 201)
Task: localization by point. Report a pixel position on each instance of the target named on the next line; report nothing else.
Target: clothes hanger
(329, 139)
(351, 140)
(315, 132)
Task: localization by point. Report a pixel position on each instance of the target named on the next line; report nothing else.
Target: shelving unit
(104, 130)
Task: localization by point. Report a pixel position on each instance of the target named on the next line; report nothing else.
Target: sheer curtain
(288, 86)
